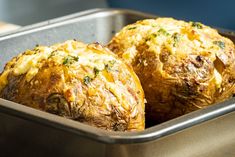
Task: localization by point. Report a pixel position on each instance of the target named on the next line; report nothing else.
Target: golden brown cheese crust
(183, 66)
(83, 82)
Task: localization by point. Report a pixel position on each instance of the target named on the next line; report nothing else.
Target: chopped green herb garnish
(220, 44)
(154, 35)
(96, 71)
(52, 54)
(70, 60)
(66, 60)
(87, 80)
(75, 58)
(197, 25)
(109, 65)
(112, 62)
(151, 36)
(154, 25)
(147, 39)
(36, 49)
(130, 28)
(176, 38)
(163, 31)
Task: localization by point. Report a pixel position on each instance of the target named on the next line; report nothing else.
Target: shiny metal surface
(214, 138)
(207, 132)
(25, 12)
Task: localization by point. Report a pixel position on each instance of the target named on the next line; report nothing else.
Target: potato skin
(87, 83)
(183, 66)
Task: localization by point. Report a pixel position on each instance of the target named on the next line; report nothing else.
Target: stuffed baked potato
(83, 82)
(183, 66)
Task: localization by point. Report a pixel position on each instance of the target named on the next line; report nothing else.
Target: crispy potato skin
(182, 66)
(87, 83)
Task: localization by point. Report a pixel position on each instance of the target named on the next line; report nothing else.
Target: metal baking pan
(24, 131)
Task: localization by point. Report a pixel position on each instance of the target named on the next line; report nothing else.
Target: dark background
(219, 13)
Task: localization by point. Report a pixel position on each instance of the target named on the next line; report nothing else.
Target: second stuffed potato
(183, 66)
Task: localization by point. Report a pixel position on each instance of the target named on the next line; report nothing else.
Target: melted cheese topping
(91, 78)
(218, 78)
(179, 38)
(31, 61)
(3, 79)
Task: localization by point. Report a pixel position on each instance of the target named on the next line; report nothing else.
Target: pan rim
(108, 137)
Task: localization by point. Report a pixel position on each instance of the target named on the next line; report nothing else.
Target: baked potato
(87, 83)
(183, 66)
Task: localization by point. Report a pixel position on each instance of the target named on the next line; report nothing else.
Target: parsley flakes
(110, 64)
(96, 71)
(220, 44)
(197, 25)
(87, 80)
(70, 60)
(131, 28)
(176, 38)
(163, 32)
